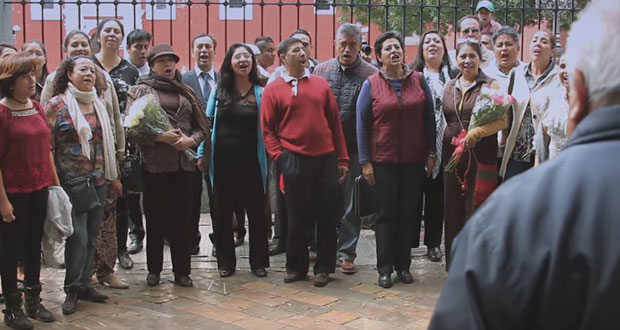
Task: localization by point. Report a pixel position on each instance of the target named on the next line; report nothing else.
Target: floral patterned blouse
(124, 75)
(70, 163)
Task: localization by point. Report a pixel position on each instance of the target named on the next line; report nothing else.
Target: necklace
(22, 104)
(466, 83)
(244, 96)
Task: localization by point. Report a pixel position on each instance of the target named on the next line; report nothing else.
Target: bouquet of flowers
(492, 104)
(148, 117)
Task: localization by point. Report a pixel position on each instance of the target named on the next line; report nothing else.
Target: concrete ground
(246, 302)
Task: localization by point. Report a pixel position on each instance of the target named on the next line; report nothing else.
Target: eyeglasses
(472, 31)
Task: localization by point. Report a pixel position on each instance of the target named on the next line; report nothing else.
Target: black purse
(82, 192)
(132, 176)
(363, 202)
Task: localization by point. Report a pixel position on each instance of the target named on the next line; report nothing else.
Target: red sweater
(307, 123)
(25, 145)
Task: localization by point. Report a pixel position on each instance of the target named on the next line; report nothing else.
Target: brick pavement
(245, 302)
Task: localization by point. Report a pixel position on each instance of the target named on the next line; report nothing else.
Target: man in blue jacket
(543, 252)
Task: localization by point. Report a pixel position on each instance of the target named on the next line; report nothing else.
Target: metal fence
(243, 20)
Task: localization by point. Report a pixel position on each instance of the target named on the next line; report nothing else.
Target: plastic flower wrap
(492, 104)
(147, 117)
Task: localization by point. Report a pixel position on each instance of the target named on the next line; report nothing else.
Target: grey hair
(349, 29)
(592, 48)
(506, 30)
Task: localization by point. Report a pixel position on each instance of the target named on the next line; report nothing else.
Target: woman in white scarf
(83, 144)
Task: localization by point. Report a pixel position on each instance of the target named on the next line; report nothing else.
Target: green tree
(415, 16)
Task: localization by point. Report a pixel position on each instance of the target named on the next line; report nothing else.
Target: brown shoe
(347, 266)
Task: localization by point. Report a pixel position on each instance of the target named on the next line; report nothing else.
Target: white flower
(134, 122)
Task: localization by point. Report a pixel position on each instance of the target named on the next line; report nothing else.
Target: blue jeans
(350, 225)
(80, 247)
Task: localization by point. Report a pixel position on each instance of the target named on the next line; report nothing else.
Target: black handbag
(82, 192)
(363, 202)
(132, 176)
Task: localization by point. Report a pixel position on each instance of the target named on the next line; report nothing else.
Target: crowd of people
(312, 128)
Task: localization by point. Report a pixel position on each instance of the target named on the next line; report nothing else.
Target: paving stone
(307, 323)
(217, 313)
(367, 288)
(259, 285)
(367, 324)
(314, 298)
(260, 297)
(255, 323)
(283, 291)
(268, 313)
(336, 316)
(419, 325)
(237, 304)
(246, 302)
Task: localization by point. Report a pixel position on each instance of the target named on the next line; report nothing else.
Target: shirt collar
(528, 70)
(288, 78)
(199, 71)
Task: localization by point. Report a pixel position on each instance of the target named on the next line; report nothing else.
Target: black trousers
(280, 225)
(239, 183)
(22, 238)
(431, 202)
(167, 205)
(397, 189)
(134, 204)
(515, 167)
(311, 188)
(196, 204)
(128, 209)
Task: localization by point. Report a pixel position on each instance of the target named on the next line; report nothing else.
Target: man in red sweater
(302, 133)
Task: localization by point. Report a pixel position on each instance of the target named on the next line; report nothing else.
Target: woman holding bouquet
(459, 98)
(167, 169)
(238, 170)
(84, 146)
(396, 140)
(433, 62)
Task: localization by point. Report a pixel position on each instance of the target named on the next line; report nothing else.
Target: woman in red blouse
(26, 172)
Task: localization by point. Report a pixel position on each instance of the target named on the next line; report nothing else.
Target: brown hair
(551, 36)
(12, 67)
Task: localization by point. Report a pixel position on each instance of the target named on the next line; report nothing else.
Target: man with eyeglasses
(469, 28)
(303, 135)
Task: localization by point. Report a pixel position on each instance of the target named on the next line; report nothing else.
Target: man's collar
(599, 125)
(349, 67)
(288, 78)
(499, 70)
(550, 66)
(406, 70)
(198, 71)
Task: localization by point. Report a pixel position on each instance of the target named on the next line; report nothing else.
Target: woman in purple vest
(396, 140)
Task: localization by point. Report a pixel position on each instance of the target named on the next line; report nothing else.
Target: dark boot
(34, 309)
(14, 315)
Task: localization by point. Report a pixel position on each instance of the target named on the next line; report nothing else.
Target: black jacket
(346, 84)
(544, 251)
